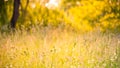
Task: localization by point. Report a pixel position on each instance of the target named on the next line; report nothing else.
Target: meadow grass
(57, 48)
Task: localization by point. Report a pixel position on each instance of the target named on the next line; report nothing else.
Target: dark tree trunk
(15, 14)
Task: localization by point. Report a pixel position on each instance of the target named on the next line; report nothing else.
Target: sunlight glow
(52, 4)
(33, 5)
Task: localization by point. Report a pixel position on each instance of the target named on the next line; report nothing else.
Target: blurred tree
(43, 2)
(3, 12)
(111, 15)
(38, 14)
(66, 4)
(78, 13)
(92, 13)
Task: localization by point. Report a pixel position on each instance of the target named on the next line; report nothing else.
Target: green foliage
(111, 16)
(83, 16)
(3, 12)
(80, 15)
(92, 14)
(66, 4)
(36, 14)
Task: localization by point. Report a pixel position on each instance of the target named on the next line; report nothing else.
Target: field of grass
(57, 48)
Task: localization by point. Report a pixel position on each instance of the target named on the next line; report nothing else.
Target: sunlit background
(60, 34)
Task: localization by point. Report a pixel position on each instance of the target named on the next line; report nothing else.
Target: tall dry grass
(57, 48)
